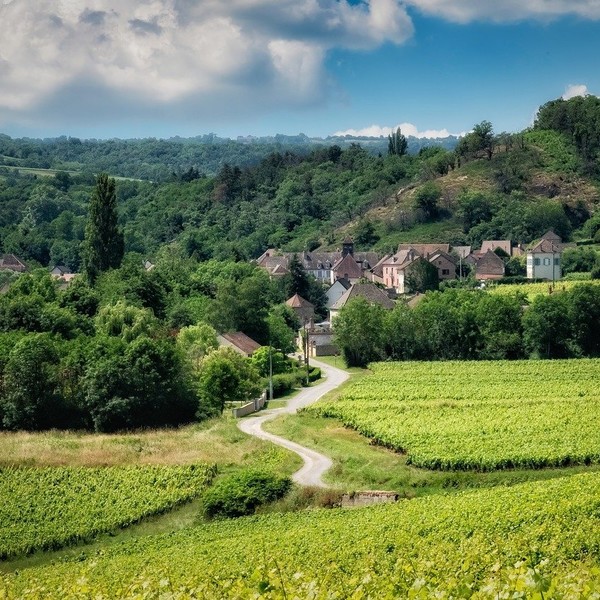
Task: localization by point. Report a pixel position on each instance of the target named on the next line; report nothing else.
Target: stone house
(305, 310)
(488, 266)
(9, 262)
(369, 291)
(239, 341)
(445, 264)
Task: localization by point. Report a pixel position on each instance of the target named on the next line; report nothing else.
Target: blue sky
(98, 68)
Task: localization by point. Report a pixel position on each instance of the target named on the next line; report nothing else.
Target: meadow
(478, 415)
(537, 539)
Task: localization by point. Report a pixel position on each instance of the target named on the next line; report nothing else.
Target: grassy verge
(338, 362)
(360, 465)
(217, 441)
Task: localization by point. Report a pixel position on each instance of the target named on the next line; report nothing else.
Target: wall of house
(542, 265)
(446, 269)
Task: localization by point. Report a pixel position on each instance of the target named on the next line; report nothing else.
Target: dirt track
(315, 464)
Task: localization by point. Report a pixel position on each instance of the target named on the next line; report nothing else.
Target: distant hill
(158, 159)
(298, 193)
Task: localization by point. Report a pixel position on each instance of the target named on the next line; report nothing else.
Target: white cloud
(408, 129)
(465, 11)
(573, 90)
(161, 54)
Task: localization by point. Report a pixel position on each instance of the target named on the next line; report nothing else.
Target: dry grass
(217, 441)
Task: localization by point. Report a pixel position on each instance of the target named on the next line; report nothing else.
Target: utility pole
(270, 371)
(306, 351)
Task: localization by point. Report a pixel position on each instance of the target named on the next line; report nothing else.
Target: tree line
(473, 325)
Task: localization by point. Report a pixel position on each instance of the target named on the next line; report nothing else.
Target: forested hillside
(513, 186)
(176, 158)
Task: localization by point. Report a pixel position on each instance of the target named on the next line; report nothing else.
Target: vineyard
(532, 540)
(48, 508)
(478, 415)
(531, 290)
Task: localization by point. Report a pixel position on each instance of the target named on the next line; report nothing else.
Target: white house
(544, 258)
(336, 291)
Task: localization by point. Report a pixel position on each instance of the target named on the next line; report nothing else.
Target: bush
(242, 493)
(314, 374)
(284, 383)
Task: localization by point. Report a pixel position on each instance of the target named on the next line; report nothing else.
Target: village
(382, 280)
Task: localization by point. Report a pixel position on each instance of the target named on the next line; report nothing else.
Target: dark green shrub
(242, 493)
(314, 374)
(284, 383)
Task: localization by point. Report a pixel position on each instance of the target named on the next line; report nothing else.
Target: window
(557, 261)
(537, 262)
(445, 271)
(546, 262)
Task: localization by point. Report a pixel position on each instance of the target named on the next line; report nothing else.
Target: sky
(160, 68)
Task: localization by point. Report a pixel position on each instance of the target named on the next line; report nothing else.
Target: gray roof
(369, 291)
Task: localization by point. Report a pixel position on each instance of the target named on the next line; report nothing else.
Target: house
(376, 273)
(544, 257)
(239, 341)
(504, 245)
(445, 264)
(320, 264)
(396, 269)
(64, 275)
(461, 251)
(488, 266)
(346, 268)
(425, 250)
(272, 262)
(369, 291)
(305, 310)
(9, 262)
(60, 270)
(320, 340)
(336, 291)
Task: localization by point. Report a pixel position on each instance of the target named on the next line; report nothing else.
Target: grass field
(537, 540)
(478, 415)
(217, 441)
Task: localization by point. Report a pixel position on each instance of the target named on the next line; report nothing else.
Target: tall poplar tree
(397, 143)
(103, 245)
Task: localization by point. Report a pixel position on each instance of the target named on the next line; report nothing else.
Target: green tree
(481, 139)
(283, 324)
(397, 144)
(499, 321)
(584, 314)
(547, 327)
(260, 360)
(426, 200)
(196, 341)
(103, 244)
(226, 376)
(29, 399)
(422, 276)
(359, 332)
(399, 327)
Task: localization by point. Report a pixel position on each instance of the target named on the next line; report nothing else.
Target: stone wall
(357, 499)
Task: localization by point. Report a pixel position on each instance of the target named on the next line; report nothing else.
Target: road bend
(315, 464)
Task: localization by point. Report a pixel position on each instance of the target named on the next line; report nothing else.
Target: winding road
(315, 464)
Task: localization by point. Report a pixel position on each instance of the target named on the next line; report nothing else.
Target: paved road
(315, 464)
